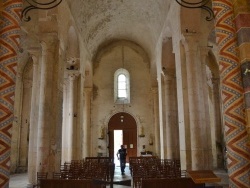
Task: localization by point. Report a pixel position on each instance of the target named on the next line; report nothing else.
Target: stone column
(164, 118)
(196, 125)
(217, 108)
(64, 156)
(161, 115)
(170, 130)
(86, 124)
(68, 136)
(218, 155)
(205, 118)
(9, 35)
(72, 75)
(183, 124)
(238, 151)
(32, 152)
(156, 121)
(46, 121)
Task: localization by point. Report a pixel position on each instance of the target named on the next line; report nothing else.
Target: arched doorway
(127, 124)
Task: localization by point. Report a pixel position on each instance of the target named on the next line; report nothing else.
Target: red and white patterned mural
(9, 40)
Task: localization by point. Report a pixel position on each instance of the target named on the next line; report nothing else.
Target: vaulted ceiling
(101, 21)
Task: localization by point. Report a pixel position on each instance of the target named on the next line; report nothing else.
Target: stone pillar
(156, 122)
(218, 120)
(9, 34)
(165, 110)
(171, 129)
(168, 128)
(161, 115)
(86, 124)
(69, 103)
(46, 118)
(183, 124)
(238, 152)
(218, 155)
(205, 118)
(32, 152)
(194, 100)
(64, 156)
(69, 133)
(25, 119)
(72, 75)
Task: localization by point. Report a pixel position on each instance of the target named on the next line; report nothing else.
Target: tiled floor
(18, 181)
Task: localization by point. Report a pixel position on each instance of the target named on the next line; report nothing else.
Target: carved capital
(73, 60)
(73, 74)
(73, 63)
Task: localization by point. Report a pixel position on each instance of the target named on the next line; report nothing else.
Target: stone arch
(109, 45)
(120, 111)
(127, 123)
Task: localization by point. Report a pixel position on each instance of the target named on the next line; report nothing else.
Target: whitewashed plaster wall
(103, 106)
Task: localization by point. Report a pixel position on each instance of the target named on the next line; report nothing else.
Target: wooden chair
(39, 176)
(57, 175)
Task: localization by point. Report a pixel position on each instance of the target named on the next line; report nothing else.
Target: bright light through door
(118, 141)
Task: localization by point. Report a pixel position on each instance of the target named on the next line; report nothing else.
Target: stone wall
(141, 98)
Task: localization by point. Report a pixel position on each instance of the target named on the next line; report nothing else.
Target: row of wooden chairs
(95, 168)
(39, 177)
(100, 168)
(153, 167)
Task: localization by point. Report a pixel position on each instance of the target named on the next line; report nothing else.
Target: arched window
(121, 87)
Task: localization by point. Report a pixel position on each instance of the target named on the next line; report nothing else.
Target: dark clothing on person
(122, 153)
(122, 157)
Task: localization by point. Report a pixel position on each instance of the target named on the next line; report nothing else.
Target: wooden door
(130, 140)
(111, 142)
(125, 122)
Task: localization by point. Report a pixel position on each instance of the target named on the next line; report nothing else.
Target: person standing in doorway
(121, 155)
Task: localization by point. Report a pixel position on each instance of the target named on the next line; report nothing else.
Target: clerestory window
(121, 86)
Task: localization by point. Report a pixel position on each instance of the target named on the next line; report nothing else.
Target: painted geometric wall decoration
(238, 153)
(9, 39)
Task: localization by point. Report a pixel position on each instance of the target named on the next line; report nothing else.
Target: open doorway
(118, 141)
(122, 130)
